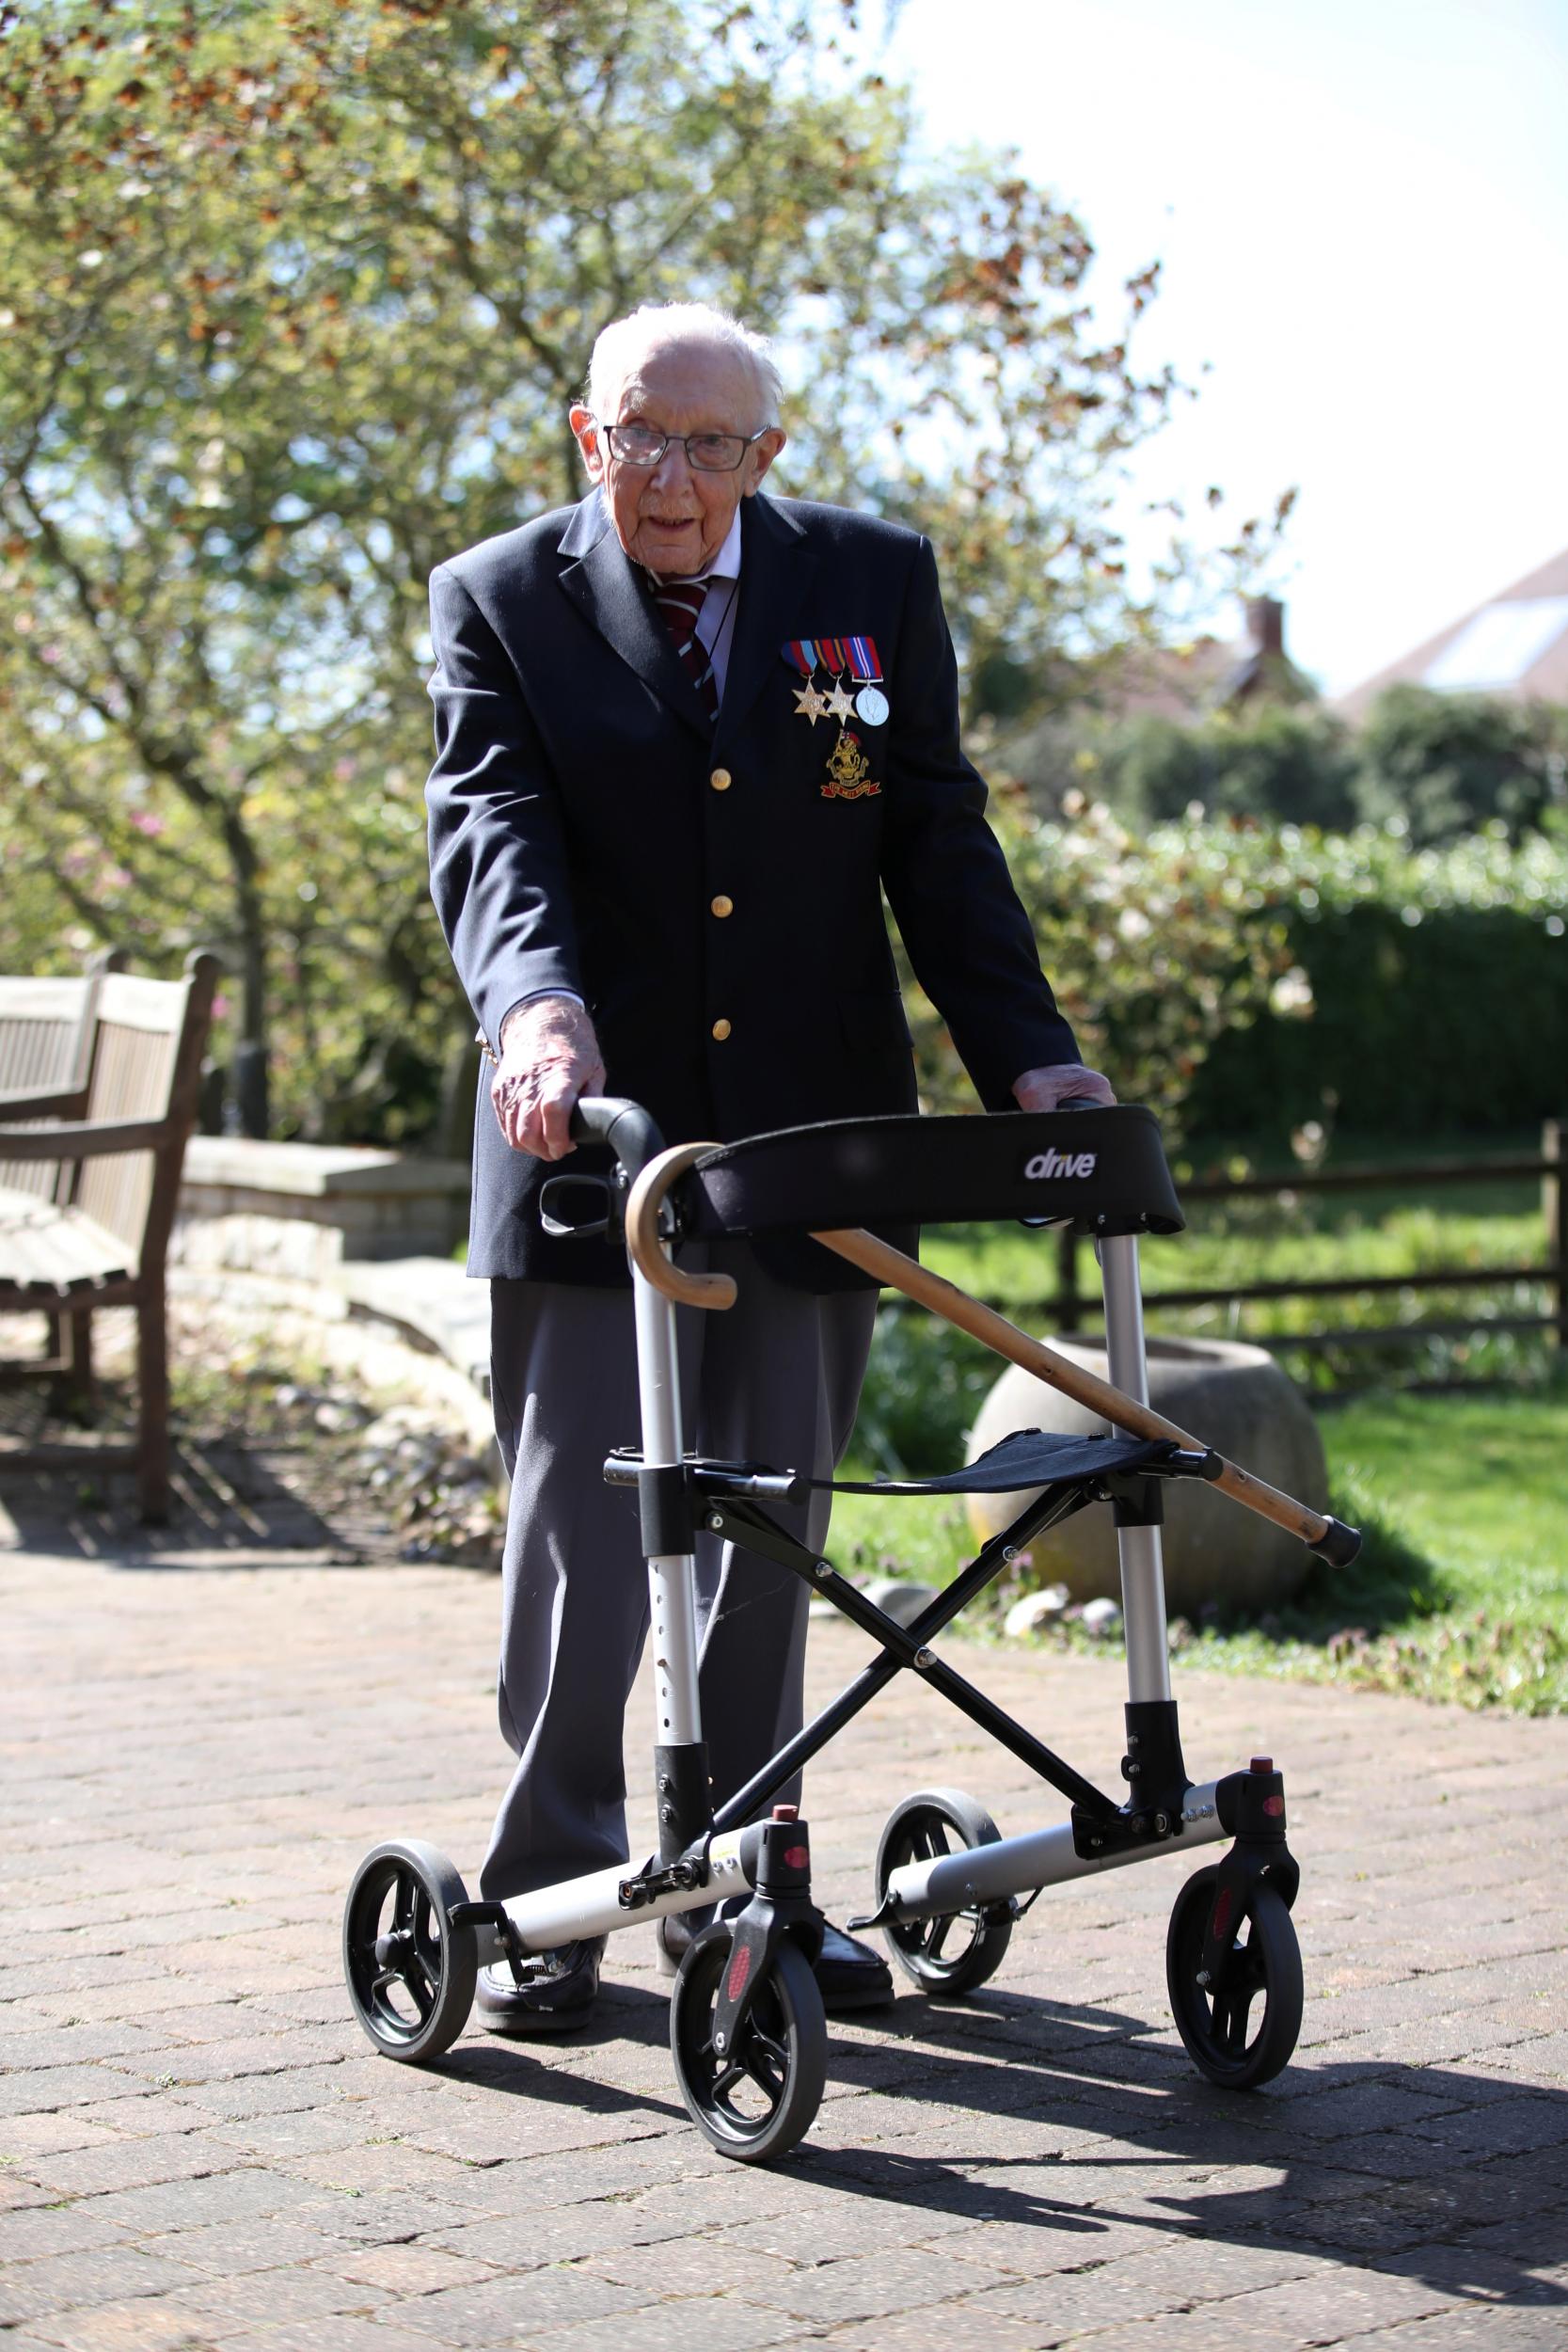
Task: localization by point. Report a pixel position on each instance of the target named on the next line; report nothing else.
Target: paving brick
(1486, 2329)
(132, 2162)
(514, 2309)
(269, 2299)
(240, 2195)
(64, 2229)
(41, 2089)
(382, 2333)
(402, 2270)
(716, 2323)
(144, 2325)
(104, 2274)
(863, 2286)
(234, 2248)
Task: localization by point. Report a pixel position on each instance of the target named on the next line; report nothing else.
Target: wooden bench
(90, 1157)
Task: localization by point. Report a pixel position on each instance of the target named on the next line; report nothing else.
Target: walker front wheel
(1239, 2028)
(958, 1950)
(411, 1973)
(762, 2096)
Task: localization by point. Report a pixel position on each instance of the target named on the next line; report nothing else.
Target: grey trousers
(776, 1377)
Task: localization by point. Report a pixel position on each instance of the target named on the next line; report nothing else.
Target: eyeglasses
(706, 452)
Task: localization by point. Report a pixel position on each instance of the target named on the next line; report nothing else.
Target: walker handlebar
(626, 1127)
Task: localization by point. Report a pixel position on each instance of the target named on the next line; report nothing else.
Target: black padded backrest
(1102, 1171)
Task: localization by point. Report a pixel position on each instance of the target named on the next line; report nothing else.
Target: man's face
(671, 516)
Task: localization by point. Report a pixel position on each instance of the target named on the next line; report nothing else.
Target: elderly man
(687, 735)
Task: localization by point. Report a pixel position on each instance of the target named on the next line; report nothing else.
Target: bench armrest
(85, 1138)
(45, 1103)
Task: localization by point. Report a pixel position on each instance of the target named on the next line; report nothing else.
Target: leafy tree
(1272, 761)
(296, 293)
(1156, 947)
(1450, 764)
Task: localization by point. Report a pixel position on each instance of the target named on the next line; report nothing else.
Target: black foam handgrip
(626, 1127)
(1337, 1544)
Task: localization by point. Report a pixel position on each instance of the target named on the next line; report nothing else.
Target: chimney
(1265, 621)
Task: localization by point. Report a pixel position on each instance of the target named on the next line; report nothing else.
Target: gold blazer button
(720, 779)
(721, 1030)
(722, 906)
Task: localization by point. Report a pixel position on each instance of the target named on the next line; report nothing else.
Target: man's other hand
(550, 1055)
(1059, 1082)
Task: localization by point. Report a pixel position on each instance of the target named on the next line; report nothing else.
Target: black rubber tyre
(410, 1974)
(950, 1955)
(759, 2103)
(1241, 2033)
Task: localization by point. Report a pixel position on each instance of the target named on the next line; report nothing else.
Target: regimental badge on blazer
(846, 662)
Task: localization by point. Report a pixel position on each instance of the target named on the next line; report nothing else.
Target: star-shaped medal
(837, 705)
(809, 703)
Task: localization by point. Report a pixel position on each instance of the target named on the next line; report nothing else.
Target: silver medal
(871, 704)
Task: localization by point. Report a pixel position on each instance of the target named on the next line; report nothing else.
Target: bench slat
(60, 1250)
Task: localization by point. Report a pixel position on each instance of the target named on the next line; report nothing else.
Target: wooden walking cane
(1330, 1537)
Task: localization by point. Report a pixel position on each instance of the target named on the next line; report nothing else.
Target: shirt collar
(727, 564)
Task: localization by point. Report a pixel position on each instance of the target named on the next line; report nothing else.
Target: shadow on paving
(227, 1499)
(1427, 2172)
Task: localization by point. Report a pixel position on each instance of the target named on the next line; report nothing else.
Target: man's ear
(586, 431)
(762, 455)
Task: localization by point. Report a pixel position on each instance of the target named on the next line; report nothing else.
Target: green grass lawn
(1462, 1589)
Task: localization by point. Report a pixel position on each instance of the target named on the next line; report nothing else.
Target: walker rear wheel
(756, 2102)
(1240, 2030)
(956, 1952)
(411, 1973)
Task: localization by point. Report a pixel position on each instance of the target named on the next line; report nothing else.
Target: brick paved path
(197, 2149)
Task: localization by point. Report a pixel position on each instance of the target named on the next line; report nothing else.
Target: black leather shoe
(555, 1996)
(850, 1975)
(674, 1935)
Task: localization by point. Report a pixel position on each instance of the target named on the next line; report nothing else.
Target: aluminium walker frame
(747, 2026)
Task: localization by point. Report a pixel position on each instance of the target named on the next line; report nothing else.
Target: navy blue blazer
(586, 820)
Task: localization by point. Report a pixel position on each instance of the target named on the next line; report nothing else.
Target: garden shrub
(1241, 979)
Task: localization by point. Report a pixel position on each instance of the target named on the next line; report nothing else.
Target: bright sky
(1362, 209)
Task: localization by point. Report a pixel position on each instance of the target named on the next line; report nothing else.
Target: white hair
(626, 341)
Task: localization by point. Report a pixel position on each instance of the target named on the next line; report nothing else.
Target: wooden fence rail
(1073, 1302)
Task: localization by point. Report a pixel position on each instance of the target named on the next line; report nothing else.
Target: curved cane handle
(642, 1235)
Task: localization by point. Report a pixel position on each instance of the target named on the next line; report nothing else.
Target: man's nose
(673, 470)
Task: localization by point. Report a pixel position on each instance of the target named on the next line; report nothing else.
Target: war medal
(833, 654)
(865, 668)
(800, 652)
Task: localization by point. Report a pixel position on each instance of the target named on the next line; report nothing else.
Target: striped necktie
(681, 602)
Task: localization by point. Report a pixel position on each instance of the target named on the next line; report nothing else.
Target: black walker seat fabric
(1100, 1172)
(1030, 1457)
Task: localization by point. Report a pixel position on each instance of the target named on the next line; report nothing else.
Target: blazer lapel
(776, 568)
(602, 581)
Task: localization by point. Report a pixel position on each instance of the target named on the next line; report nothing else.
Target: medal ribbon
(865, 666)
(801, 651)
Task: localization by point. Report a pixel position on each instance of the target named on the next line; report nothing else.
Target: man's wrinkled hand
(1062, 1082)
(550, 1055)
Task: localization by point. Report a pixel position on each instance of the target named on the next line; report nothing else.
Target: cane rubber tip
(787, 1813)
(1337, 1544)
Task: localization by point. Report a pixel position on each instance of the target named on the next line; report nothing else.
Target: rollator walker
(747, 2028)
